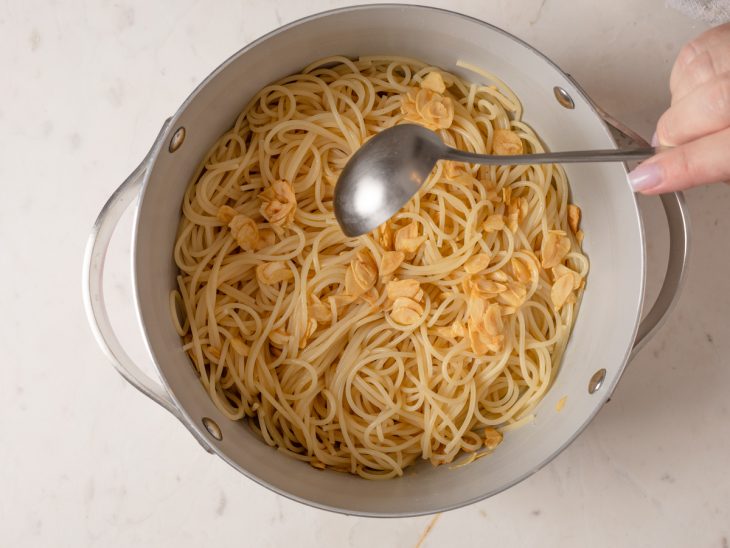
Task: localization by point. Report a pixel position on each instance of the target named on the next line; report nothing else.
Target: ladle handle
(576, 156)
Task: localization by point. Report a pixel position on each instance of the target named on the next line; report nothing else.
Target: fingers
(705, 160)
(703, 111)
(698, 122)
(703, 68)
(700, 60)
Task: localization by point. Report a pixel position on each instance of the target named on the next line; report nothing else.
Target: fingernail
(645, 176)
(654, 140)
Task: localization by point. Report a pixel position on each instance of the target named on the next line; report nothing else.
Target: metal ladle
(392, 166)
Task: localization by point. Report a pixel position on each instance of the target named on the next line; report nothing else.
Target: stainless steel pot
(608, 328)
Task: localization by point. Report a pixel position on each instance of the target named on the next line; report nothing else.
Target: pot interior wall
(607, 320)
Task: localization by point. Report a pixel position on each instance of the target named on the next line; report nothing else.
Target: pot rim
(200, 431)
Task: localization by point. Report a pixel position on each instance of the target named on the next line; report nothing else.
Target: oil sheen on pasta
(425, 339)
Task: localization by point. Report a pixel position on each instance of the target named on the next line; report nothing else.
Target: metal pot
(608, 328)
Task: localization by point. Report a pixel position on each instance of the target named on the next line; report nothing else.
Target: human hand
(697, 124)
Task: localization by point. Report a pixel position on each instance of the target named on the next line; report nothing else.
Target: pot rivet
(596, 381)
(563, 97)
(212, 428)
(177, 139)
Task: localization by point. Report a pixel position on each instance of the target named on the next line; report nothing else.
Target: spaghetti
(424, 339)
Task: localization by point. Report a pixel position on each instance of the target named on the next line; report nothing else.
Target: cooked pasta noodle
(424, 339)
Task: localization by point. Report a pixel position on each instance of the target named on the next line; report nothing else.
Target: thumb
(705, 160)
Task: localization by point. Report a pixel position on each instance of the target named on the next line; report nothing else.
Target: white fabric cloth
(714, 12)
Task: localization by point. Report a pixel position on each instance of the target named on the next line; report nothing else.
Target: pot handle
(93, 289)
(675, 209)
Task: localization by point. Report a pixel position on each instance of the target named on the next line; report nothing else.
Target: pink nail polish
(645, 177)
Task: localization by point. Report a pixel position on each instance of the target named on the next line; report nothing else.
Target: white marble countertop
(86, 460)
